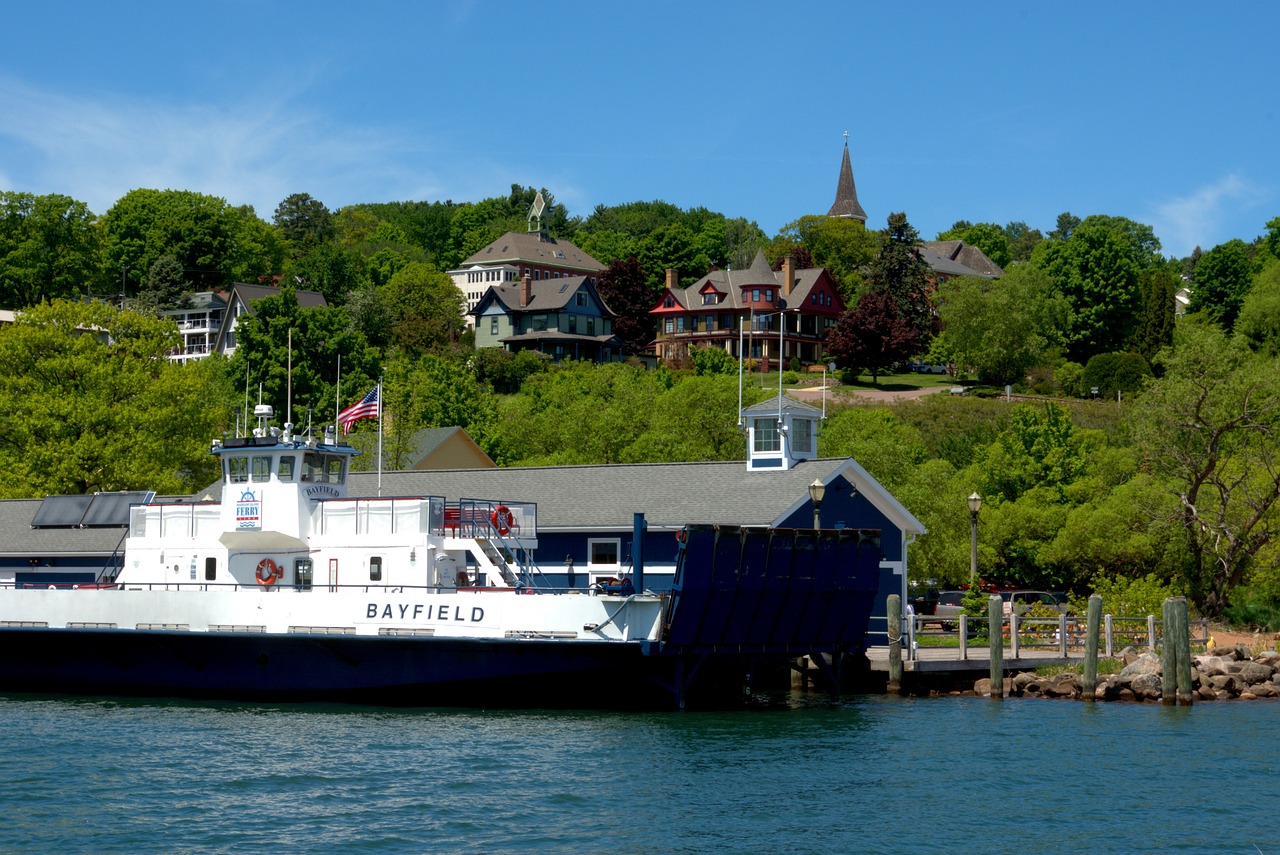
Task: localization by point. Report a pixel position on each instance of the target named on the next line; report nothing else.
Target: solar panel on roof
(112, 509)
(61, 510)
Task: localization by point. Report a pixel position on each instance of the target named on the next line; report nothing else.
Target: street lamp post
(975, 505)
(816, 491)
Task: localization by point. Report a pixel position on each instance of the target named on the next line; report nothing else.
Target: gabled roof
(975, 261)
(731, 284)
(846, 203)
(430, 441)
(785, 404)
(955, 258)
(545, 295)
(670, 495)
(534, 248)
(247, 294)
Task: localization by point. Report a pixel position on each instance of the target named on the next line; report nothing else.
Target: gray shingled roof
(970, 258)
(606, 497)
(20, 539)
(534, 248)
(546, 295)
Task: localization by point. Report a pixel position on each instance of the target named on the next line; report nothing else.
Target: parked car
(1023, 600)
(950, 604)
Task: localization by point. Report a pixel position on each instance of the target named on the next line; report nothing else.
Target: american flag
(365, 408)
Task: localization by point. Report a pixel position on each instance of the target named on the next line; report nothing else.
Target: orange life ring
(681, 535)
(502, 519)
(268, 573)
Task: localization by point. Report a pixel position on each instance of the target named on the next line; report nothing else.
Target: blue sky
(1165, 113)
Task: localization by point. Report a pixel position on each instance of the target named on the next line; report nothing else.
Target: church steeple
(846, 204)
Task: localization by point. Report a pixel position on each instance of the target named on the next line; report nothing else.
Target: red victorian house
(785, 313)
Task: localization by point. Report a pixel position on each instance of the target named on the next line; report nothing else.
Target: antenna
(741, 326)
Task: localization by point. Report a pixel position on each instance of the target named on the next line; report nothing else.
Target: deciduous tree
(1208, 430)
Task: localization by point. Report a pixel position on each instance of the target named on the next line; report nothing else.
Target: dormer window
(669, 302)
(710, 298)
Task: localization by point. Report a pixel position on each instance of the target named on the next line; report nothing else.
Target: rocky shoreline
(1222, 673)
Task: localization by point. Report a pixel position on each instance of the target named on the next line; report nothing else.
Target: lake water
(871, 774)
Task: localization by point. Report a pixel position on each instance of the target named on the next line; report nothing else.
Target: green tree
(1259, 320)
(1223, 277)
(91, 404)
(901, 272)
(1022, 240)
(1157, 292)
(427, 307)
(164, 286)
(305, 222)
(427, 391)
(842, 246)
(263, 358)
(696, 419)
(1001, 328)
(1207, 429)
(1065, 227)
(48, 248)
(506, 371)
(331, 269)
(199, 231)
(1096, 271)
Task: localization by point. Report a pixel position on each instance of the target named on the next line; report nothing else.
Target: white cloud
(97, 148)
(1200, 218)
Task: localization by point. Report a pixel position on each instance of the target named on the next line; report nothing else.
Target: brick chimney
(673, 279)
(788, 275)
(526, 291)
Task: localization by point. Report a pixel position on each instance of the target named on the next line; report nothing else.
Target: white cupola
(780, 432)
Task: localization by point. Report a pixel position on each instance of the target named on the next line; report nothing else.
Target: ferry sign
(248, 511)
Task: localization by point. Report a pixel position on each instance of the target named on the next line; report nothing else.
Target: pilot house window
(375, 568)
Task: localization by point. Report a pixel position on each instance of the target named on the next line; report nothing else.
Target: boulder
(1206, 693)
(1142, 664)
(1229, 683)
(1255, 672)
(1128, 654)
(1210, 666)
(1265, 690)
(1147, 686)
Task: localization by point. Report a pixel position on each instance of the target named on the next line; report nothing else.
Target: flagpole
(337, 400)
(380, 403)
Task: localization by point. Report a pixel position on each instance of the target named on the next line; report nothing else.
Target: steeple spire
(846, 204)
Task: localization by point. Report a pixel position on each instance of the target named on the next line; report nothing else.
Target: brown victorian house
(758, 313)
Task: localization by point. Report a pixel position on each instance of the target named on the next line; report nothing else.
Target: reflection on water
(871, 774)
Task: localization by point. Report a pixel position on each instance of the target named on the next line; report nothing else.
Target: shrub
(712, 360)
(1115, 372)
(1070, 376)
(1254, 608)
(790, 378)
(1124, 596)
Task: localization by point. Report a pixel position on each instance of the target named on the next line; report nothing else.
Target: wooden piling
(1168, 655)
(1093, 621)
(995, 611)
(894, 607)
(1183, 643)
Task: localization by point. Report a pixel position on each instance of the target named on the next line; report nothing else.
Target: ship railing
(179, 519)
(491, 520)
(380, 515)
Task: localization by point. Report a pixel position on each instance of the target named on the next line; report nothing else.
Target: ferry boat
(286, 589)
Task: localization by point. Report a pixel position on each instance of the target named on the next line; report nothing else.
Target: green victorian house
(563, 318)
